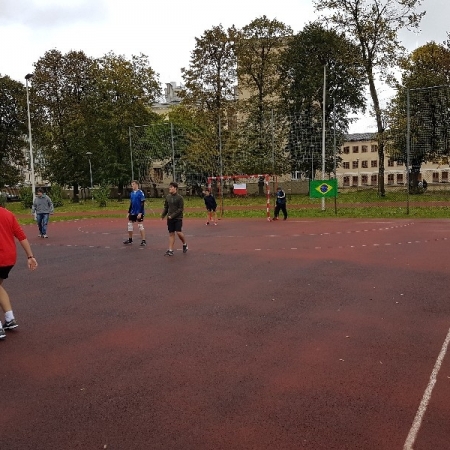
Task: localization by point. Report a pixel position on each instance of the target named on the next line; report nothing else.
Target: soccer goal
(240, 187)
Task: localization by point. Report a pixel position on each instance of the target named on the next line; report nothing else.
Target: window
(297, 175)
(354, 181)
(399, 163)
(435, 177)
(346, 181)
(445, 177)
(157, 175)
(390, 163)
(374, 179)
(346, 165)
(374, 148)
(355, 164)
(346, 150)
(364, 164)
(399, 178)
(391, 178)
(364, 149)
(364, 179)
(355, 149)
(373, 163)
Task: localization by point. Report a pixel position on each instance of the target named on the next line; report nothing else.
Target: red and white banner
(240, 188)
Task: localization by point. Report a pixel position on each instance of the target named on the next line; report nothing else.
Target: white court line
(426, 397)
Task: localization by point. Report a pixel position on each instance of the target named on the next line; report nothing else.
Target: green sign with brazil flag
(322, 188)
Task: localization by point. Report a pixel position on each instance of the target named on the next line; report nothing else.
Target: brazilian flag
(323, 188)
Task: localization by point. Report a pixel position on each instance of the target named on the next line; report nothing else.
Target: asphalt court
(299, 334)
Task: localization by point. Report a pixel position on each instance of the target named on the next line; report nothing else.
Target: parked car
(10, 197)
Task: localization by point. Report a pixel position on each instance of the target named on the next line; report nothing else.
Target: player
(211, 205)
(136, 213)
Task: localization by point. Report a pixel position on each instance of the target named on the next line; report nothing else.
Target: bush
(56, 194)
(26, 197)
(102, 194)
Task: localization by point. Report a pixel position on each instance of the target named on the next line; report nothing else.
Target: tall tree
(373, 26)
(209, 91)
(259, 50)
(13, 130)
(426, 81)
(302, 76)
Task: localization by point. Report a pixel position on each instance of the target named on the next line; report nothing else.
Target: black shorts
(134, 218)
(174, 225)
(4, 272)
(211, 209)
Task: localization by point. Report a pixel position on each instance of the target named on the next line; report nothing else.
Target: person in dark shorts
(211, 206)
(10, 229)
(136, 213)
(173, 209)
(280, 204)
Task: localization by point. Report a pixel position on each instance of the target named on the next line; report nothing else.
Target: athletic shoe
(39, 235)
(169, 253)
(275, 218)
(207, 223)
(128, 241)
(215, 223)
(143, 243)
(45, 236)
(10, 325)
(2, 333)
(185, 248)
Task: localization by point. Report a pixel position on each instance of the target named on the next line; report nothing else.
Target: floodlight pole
(33, 180)
(131, 154)
(323, 127)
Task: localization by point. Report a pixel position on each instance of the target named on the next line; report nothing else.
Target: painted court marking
(426, 397)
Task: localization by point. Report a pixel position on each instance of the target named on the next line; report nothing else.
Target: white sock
(9, 316)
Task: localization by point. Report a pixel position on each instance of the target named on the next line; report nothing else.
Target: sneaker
(185, 248)
(2, 333)
(10, 325)
(207, 223)
(45, 236)
(275, 218)
(39, 235)
(169, 253)
(128, 241)
(215, 223)
(143, 243)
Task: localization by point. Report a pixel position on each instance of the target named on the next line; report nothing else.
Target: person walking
(211, 206)
(173, 209)
(10, 229)
(42, 208)
(280, 204)
(136, 213)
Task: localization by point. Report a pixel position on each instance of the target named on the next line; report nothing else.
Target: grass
(356, 204)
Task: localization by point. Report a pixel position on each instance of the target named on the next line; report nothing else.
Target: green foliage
(26, 197)
(57, 195)
(102, 194)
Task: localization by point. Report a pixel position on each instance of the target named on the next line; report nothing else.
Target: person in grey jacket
(42, 207)
(173, 209)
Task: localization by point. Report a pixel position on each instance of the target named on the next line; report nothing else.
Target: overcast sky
(164, 31)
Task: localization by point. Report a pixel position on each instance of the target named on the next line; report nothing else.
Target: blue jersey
(137, 199)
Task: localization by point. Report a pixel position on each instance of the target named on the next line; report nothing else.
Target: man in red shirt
(10, 229)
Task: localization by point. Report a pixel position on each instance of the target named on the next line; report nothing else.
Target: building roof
(360, 137)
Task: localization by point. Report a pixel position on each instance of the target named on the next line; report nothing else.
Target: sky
(164, 31)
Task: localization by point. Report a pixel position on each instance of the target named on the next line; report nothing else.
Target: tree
(302, 77)
(259, 50)
(13, 130)
(426, 81)
(209, 93)
(373, 26)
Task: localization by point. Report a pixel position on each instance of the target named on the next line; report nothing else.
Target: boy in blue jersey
(136, 213)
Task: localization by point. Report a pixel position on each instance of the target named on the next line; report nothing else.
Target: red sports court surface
(304, 334)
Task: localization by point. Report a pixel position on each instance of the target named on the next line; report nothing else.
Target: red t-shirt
(9, 229)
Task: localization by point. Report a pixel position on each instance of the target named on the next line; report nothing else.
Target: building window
(364, 180)
(157, 175)
(373, 163)
(391, 178)
(355, 149)
(374, 179)
(364, 164)
(297, 175)
(354, 181)
(435, 177)
(346, 165)
(399, 178)
(364, 149)
(374, 148)
(445, 177)
(390, 163)
(346, 181)
(399, 163)
(346, 150)
(355, 164)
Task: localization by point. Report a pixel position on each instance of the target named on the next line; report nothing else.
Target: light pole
(90, 167)
(33, 180)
